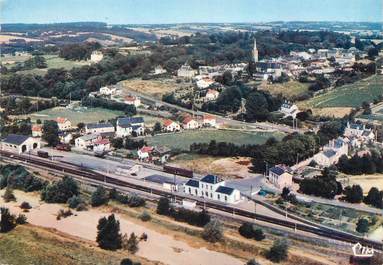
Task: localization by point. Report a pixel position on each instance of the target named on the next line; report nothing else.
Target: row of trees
(366, 164)
(354, 194)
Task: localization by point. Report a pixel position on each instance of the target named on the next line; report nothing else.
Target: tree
(374, 198)
(362, 226)
(50, 133)
(99, 197)
(60, 191)
(353, 194)
(157, 127)
(163, 206)
(259, 235)
(131, 244)
(74, 201)
(21, 219)
(7, 220)
(279, 251)
(256, 107)
(246, 230)
(108, 235)
(213, 231)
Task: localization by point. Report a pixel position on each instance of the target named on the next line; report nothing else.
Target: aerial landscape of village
(188, 132)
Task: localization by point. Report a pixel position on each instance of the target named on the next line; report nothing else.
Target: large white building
(186, 72)
(332, 152)
(289, 110)
(108, 90)
(86, 141)
(213, 188)
(96, 56)
(99, 128)
(171, 126)
(359, 131)
(16, 143)
(126, 126)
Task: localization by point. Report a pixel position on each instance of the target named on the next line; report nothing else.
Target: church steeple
(255, 51)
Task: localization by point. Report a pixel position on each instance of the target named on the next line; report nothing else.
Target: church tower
(255, 51)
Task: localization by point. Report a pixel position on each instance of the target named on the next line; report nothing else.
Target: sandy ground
(153, 88)
(159, 247)
(228, 168)
(336, 112)
(367, 181)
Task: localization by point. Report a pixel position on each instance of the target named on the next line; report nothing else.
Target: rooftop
(15, 139)
(224, 190)
(99, 125)
(128, 121)
(192, 183)
(211, 179)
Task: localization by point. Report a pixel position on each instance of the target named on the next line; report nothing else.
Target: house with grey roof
(16, 143)
(280, 176)
(213, 188)
(126, 126)
(105, 127)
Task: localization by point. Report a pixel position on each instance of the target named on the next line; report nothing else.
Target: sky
(188, 11)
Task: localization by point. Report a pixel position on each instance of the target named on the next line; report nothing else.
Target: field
(29, 244)
(367, 181)
(184, 139)
(289, 90)
(6, 38)
(347, 96)
(85, 115)
(154, 88)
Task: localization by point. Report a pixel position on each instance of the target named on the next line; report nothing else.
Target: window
(225, 198)
(196, 192)
(202, 185)
(211, 195)
(211, 187)
(190, 190)
(207, 194)
(218, 196)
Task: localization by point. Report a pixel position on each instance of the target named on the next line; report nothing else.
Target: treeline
(357, 165)
(127, 143)
(16, 177)
(19, 106)
(129, 110)
(78, 51)
(36, 61)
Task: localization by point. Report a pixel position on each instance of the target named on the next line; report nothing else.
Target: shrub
(163, 206)
(99, 197)
(63, 213)
(74, 201)
(362, 226)
(278, 251)
(132, 243)
(259, 235)
(213, 231)
(60, 191)
(252, 262)
(128, 261)
(246, 230)
(25, 206)
(8, 195)
(21, 219)
(81, 207)
(145, 216)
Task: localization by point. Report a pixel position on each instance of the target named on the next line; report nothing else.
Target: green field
(351, 95)
(75, 116)
(53, 61)
(184, 139)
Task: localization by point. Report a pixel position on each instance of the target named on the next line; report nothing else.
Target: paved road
(255, 125)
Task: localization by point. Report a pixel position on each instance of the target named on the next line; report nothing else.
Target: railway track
(92, 175)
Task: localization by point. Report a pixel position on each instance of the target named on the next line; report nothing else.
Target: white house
(144, 152)
(211, 94)
(189, 123)
(85, 141)
(132, 100)
(126, 126)
(106, 127)
(289, 109)
(159, 70)
(280, 176)
(64, 124)
(355, 130)
(204, 82)
(37, 130)
(332, 152)
(101, 145)
(65, 137)
(96, 56)
(213, 188)
(171, 126)
(186, 72)
(16, 143)
(209, 120)
(108, 90)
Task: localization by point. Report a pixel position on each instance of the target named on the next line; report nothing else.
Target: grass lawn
(351, 95)
(288, 90)
(28, 244)
(184, 139)
(85, 115)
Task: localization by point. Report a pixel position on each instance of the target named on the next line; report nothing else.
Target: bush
(128, 261)
(21, 219)
(252, 262)
(99, 197)
(63, 214)
(163, 206)
(213, 231)
(279, 251)
(18, 177)
(246, 230)
(132, 243)
(259, 235)
(25, 206)
(362, 226)
(132, 200)
(81, 207)
(74, 201)
(8, 195)
(145, 216)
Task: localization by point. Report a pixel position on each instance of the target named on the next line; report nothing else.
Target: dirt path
(159, 247)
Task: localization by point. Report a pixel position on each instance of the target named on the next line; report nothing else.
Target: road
(235, 123)
(82, 174)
